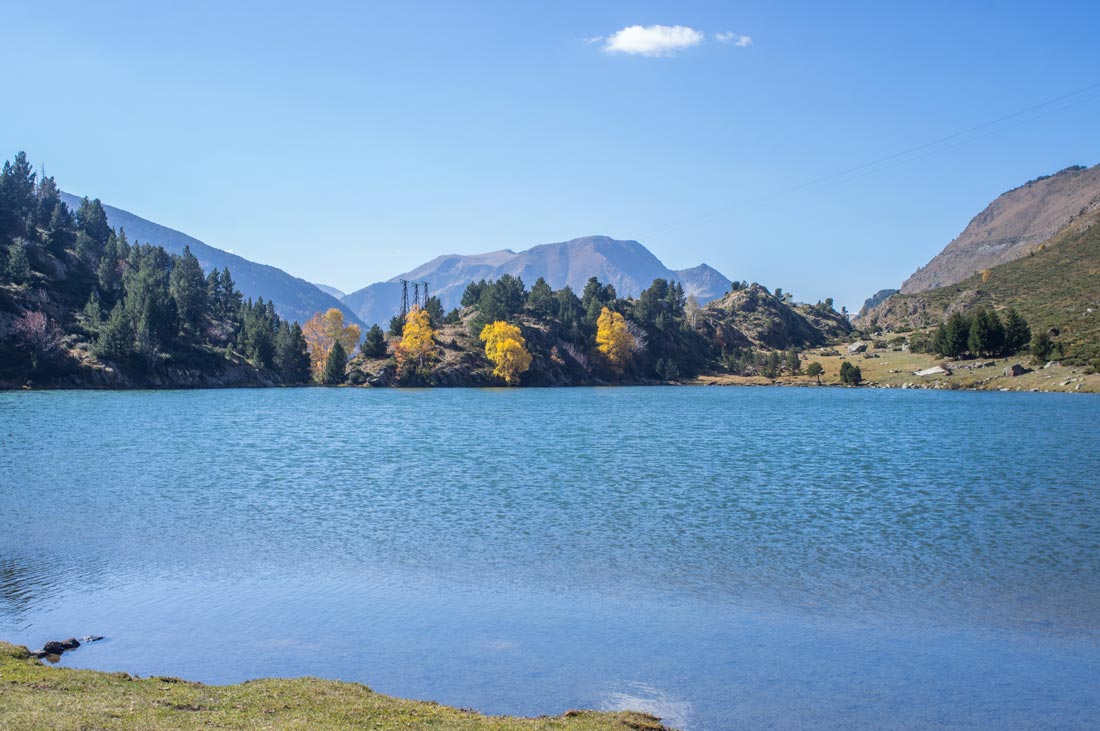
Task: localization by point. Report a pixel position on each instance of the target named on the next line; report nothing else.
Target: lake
(726, 558)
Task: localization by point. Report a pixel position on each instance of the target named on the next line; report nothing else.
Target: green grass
(34, 696)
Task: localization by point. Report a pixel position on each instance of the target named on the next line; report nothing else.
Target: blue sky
(347, 142)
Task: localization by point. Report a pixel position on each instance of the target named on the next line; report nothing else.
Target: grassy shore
(34, 696)
(896, 369)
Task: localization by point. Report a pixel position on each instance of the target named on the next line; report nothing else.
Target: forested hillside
(83, 305)
(505, 333)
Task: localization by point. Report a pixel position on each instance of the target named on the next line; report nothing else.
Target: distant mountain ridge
(1011, 226)
(627, 265)
(294, 298)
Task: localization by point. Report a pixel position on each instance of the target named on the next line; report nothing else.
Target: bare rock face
(1012, 226)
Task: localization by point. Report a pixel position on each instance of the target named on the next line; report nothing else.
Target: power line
(725, 210)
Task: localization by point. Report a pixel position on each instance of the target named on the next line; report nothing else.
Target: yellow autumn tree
(416, 337)
(613, 339)
(506, 348)
(324, 330)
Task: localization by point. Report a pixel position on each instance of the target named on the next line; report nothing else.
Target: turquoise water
(723, 557)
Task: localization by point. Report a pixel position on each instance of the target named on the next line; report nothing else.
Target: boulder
(933, 371)
(1015, 370)
(70, 644)
(857, 347)
(53, 648)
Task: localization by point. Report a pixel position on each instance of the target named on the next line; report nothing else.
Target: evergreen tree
(434, 307)
(17, 196)
(397, 325)
(147, 302)
(231, 296)
(850, 374)
(91, 220)
(541, 300)
(93, 313)
(986, 336)
(256, 337)
(108, 276)
(374, 344)
(19, 264)
(793, 362)
(116, 336)
(1017, 332)
(214, 294)
(569, 306)
(59, 229)
(48, 197)
(952, 337)
(471, 295)
(335, 366)
(187, 285)
(1042, 347)
(771, 366)
(292, 354)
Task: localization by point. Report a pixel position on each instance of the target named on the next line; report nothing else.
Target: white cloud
(653, 40)
(735, 38)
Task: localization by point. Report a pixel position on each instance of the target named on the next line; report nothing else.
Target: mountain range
(627, 265)
(294, 298)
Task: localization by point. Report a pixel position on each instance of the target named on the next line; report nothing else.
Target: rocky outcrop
(754, 317)
(874, 301)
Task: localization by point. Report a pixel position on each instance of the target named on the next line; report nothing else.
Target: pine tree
(1017, 332)
(116, 335)
(793, 362)
(47, 198)
(850, 374)
(541, 299)
(335, 366)
(1042, 347)
(93, 313)
(434, 308)
(17, 196)
(952, 337)
(59, 229)
(292, 354)
(374, 344)
(187, 285)
(19, 264)
(91, 220)
(214, 294)
(986, 334)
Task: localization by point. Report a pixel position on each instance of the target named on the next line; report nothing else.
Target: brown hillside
(1011, 226)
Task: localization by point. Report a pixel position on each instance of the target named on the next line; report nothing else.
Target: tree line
(981, 332)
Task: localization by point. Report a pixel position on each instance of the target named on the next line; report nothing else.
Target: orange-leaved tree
(416, 338)
(613, 339)
(324, 330)
(506, 348)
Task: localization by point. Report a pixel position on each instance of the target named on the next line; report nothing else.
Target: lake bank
(37, 696)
